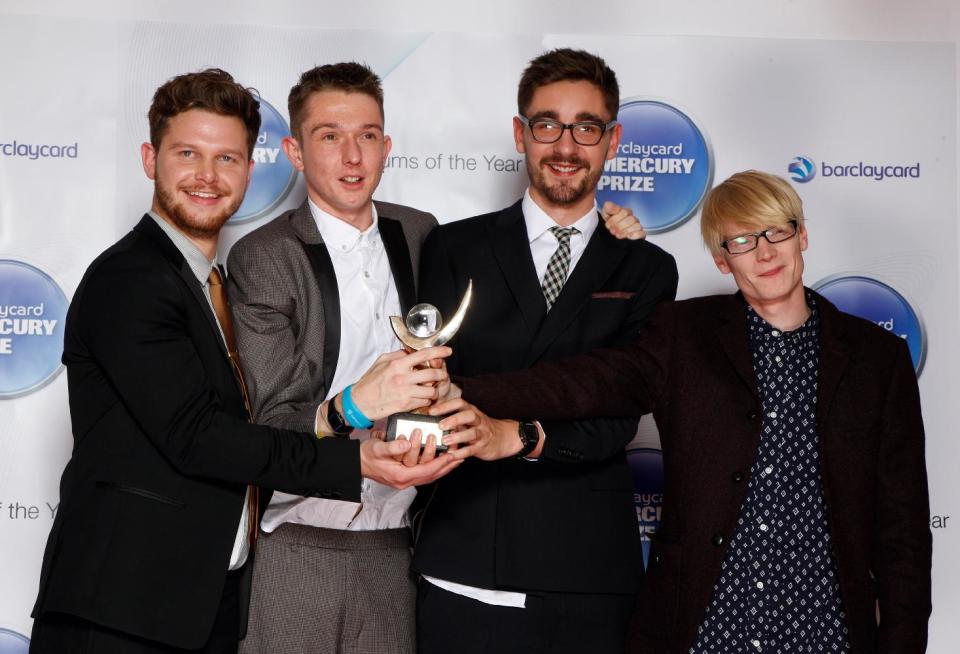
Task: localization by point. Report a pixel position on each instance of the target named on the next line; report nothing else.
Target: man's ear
(721, 263)
(148, 155)
(291, 148)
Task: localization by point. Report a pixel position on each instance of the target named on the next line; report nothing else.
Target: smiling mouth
(771, 273)
(351, 179)
(205, 195)
(563, 168)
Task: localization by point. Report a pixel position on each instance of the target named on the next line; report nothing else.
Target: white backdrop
(877, 85)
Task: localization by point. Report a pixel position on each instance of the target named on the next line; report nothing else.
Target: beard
(563, 192)
(196, 225)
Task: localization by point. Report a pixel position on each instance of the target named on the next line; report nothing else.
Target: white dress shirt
(368, 297)
(542, 246)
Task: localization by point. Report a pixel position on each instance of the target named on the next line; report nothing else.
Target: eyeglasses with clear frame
(748, 242)
(548, 130)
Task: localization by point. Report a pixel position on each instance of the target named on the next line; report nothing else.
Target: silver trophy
(423, 327)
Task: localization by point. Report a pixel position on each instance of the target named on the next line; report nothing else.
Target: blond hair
(751, 199)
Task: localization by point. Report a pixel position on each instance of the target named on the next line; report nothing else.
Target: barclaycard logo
(13, 643)
(881, 304)
(646, 467)
(32, 313)
(663, 166)
(273, 174)
(802, 169)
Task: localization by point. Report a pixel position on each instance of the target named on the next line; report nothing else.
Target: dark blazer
(286, 306)
(566, 523)
(151, 498)
(693, 369)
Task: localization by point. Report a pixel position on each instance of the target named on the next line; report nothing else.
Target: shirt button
(377, 315)
(766, 470)
(772, 333)
(764, 527)
(777, 359)
(366, 274)
(760, 585)
(772, 414)
(755, 643)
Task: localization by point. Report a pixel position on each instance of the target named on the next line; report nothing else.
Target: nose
(765, 249)
(351, 152)
(565, 144)
(206, 171)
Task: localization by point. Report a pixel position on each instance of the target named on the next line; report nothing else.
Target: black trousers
(550, 623)
(57, 633)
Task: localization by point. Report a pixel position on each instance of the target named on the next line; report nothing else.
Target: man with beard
(533, 545)
(149, 548)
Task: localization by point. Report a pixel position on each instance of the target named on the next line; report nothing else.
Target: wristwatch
(529, 436)
(337, 424)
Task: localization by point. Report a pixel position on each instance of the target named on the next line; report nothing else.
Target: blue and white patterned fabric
(778, 589)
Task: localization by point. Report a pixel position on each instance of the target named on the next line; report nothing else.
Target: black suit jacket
(693, 369)
(151, 498)
(567, 522)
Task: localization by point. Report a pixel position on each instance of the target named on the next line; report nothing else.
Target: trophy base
(403, 424)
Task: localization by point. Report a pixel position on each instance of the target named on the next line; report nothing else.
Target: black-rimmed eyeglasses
(748, 242)
(547, 130)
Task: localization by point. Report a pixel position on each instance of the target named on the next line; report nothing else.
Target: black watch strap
(338, 425)
(529, 436)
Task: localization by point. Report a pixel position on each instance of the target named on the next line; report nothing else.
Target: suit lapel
(834, 356)
(319, 258)
(600, 258)
(734, 341)
(395, 243)
(511, 248)
(149, 228)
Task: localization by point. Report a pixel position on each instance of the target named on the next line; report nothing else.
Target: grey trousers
(327, 591)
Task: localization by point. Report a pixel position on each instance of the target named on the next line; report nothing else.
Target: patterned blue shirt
(778, 589)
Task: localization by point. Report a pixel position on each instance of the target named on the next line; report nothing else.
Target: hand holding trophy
(422, 328)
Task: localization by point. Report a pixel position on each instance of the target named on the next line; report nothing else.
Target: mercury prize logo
(646, 466)
(802, 169)
(32, 311)
(881, 304)
(273, 174)
(13, 643)
(663, 167)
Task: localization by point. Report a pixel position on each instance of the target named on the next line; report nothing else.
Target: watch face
(529, 435)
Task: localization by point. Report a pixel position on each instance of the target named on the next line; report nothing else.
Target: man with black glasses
(795, 514)
(533, 544)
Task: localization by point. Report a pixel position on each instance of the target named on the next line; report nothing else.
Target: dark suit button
(753, 415)
(655, 559)
(737, 477)
(717, 540)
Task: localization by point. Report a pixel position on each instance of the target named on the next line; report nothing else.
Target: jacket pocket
(140, 492)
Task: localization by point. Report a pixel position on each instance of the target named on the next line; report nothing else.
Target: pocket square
(612, 295)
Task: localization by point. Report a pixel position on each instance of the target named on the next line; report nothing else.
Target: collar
(539, 221)
(341, 236)
(200, 266)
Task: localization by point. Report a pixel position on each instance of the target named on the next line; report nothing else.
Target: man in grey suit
(311, 293)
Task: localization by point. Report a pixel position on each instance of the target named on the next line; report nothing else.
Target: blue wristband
(352, 412)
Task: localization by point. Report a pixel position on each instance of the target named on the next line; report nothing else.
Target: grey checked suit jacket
(287, 316)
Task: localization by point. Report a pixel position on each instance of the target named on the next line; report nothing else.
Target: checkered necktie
(558, 265)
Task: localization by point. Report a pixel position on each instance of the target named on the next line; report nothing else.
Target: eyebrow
(580, 117)
(318, 126)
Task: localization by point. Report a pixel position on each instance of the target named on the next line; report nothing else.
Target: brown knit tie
(221, 306)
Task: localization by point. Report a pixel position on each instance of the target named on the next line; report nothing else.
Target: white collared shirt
(542, 241)
(368, 297)
(542, 246)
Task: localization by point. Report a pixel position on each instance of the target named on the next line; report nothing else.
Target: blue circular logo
(13, 643)
(32, 311)
(663, 167)
(273, 174)
(646, 466)
(802, 169)
(879, 303)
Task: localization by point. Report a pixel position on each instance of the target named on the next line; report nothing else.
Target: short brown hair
(568, 65)
(211, 90)
(752, 199)
(348, 76)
